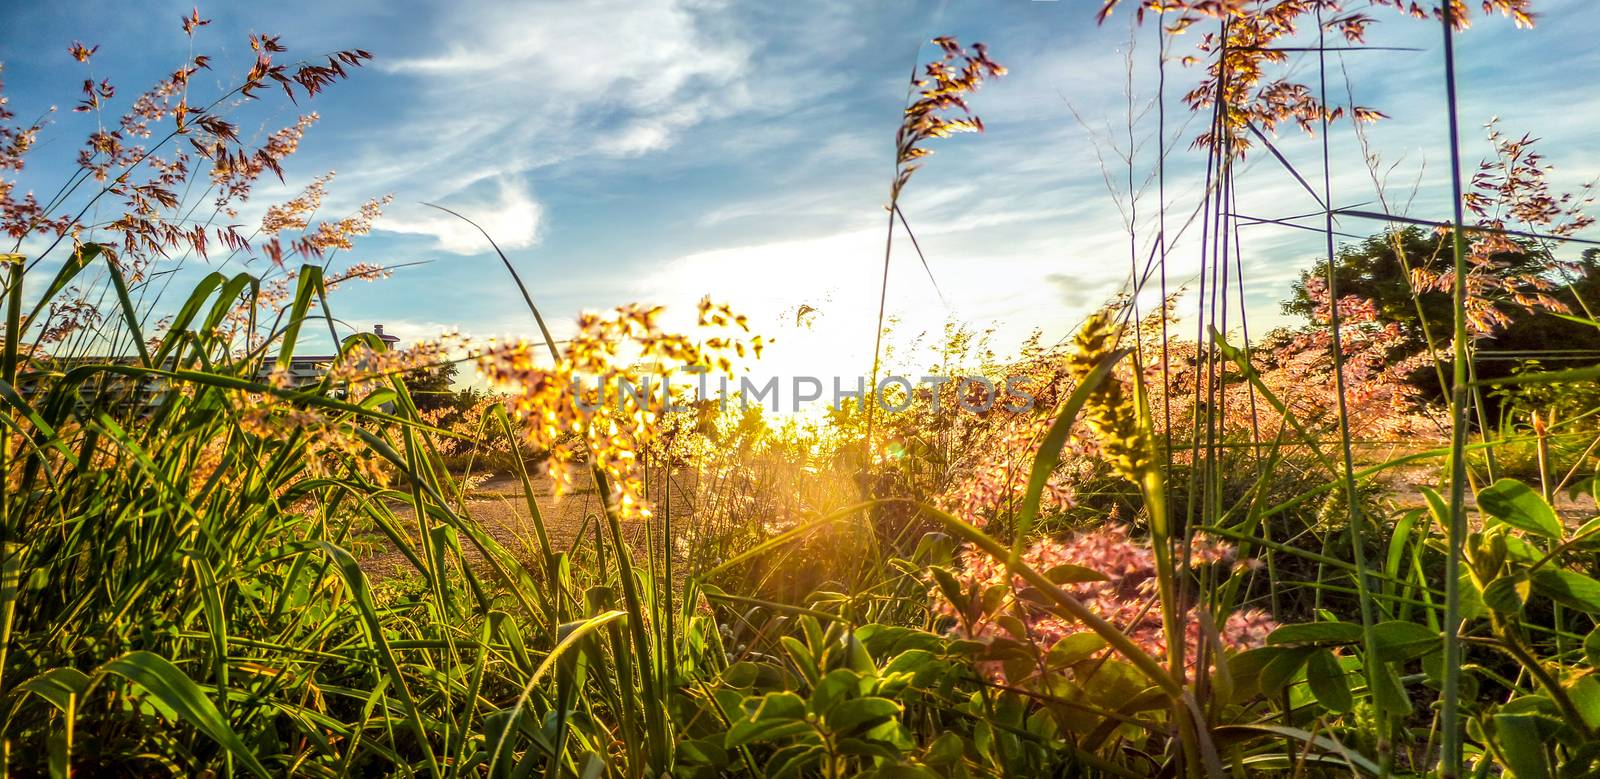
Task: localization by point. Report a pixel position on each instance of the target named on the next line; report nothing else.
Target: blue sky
(658, 150)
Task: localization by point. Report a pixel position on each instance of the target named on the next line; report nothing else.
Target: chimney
(388, 340)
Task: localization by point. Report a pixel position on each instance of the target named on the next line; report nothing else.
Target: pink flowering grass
(1111, 572)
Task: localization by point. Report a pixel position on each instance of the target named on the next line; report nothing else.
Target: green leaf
(309, 286)
(1568, 588)
(1591, 647)
(1521, 738)
(778, 706)
(1397, 640)
(741, 674)
(801, 657)
(944, 750)
(1588, 533)
(1471, 597)
(791, 761)
(747, 731)
(1438, 508)
(1074, 648)
(1245, 669)
(1316, 633)
(839, 684)
(861, 712)
(1517, 505)
(58, 686)
(703, 752)
(158, 677)
(910, 661)
(888, 640)
(74, 265)
(1281, 670)
(1049, 455)
(951, 588)
(1388, 690)
(1507, 594)
(1326, 678)
(1585, 696)
(862, 747)
(857, 656)
(1228, 734)
(356, 580)
(935, 548)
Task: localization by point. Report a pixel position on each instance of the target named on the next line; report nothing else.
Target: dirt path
(499, 507)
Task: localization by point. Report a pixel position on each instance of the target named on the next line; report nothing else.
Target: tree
(1517, 293)
(433, 388)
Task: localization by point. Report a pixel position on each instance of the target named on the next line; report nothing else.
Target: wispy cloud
(510, 215)
(523, 85)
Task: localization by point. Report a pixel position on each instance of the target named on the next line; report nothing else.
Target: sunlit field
(1308, 489)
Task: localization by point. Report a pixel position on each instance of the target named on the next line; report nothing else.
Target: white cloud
(613, 77)
(511, 218)
(513, 88)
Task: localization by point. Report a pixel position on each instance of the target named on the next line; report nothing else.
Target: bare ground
(499, 507)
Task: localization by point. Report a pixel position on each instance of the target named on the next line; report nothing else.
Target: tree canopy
(1383, 269)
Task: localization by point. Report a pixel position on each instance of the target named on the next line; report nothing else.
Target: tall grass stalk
(1450, 698)
(1355, 516)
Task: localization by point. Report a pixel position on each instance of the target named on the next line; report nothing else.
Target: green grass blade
(158, 677)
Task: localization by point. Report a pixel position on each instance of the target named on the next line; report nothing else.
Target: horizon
(658, 153)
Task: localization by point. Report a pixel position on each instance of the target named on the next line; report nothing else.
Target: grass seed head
(1110, 410)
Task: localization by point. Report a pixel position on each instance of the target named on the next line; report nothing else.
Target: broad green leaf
(935, 548)
(1521, 738)
(1517, 505)
(839, 684)
(1282, 669)
(951, 588)
(1326, 678)
(1507, 594)
(58, 686)
(1245, 669)
(750, 731)
(1568, 588)
(857, 655)
(1388, 690)
(802, 658)
(1439, 508)
(1397, 640)
(158, 677)
(793, 761)
(861, 712)
(1074, 648)
(703, 752)
(1471, 597)
(777, 706)
(944, 750)
(862, 747)
(1316, 633)
(741, 674)
(910, 661)
(1585, 696)
(1049, 455)
(1587, 533)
